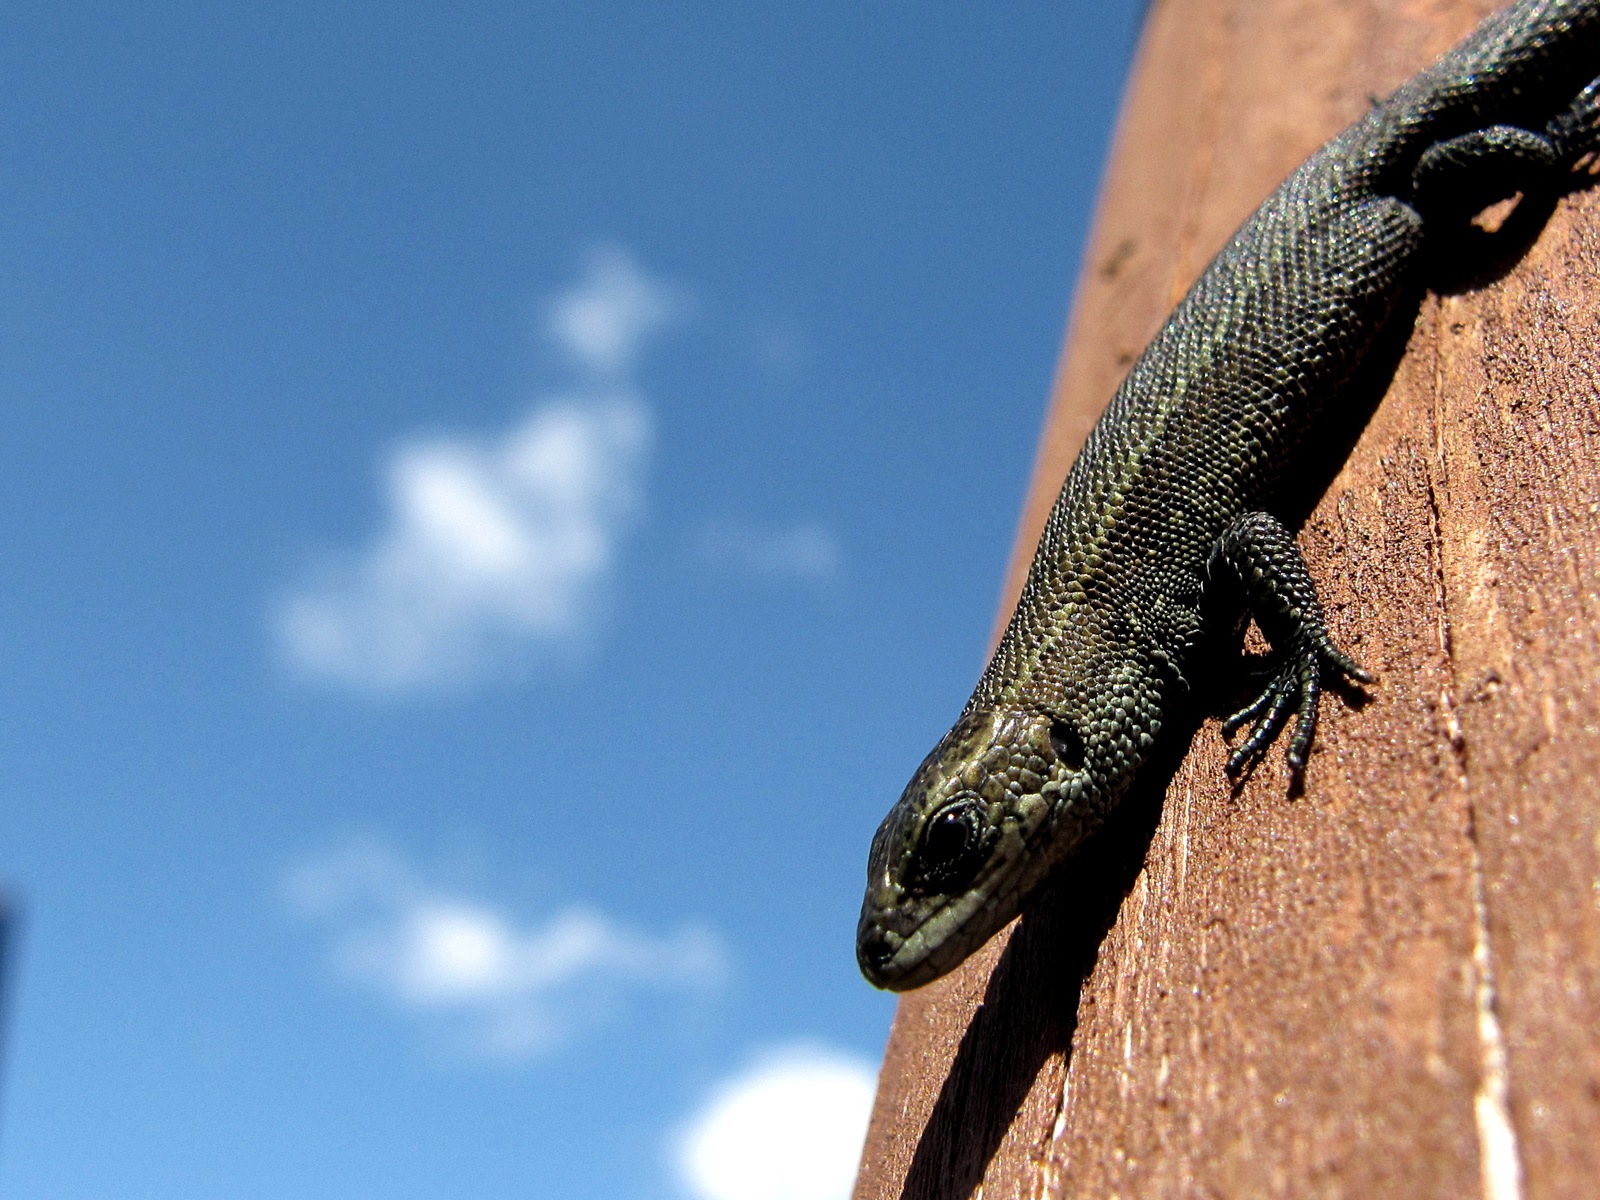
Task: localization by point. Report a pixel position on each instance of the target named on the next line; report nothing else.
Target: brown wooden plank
(1390, 985)
(1519, 377)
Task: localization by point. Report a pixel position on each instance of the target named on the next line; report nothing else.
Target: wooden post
(1388, 986)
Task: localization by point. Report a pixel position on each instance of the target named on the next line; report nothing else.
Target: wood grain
(1388, 985)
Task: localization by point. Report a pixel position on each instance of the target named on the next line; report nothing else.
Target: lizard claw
(1296, 687)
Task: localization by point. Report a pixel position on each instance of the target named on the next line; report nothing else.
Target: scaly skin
(1174, 490)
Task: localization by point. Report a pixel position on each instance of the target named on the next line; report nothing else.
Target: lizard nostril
(875, 950)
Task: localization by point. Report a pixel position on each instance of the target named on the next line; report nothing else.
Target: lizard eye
(952, 848)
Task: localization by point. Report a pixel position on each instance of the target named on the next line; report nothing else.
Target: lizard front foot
(1280, 595)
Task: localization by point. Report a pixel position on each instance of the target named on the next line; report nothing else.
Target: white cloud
(603, 323)
(494, 547)
(807, 552)
(514, 990)
(790, 1127)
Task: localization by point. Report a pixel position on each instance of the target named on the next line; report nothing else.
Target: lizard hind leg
(1279, 593)
(1459, 177)
(1576, 132)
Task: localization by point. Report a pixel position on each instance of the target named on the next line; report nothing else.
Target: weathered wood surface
(1389, 985)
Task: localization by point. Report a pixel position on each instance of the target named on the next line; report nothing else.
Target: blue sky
(495, 499)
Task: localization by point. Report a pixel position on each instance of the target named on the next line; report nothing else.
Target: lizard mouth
(899, 950)
(892, 961)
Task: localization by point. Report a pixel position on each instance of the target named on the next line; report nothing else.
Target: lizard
(1170, 503)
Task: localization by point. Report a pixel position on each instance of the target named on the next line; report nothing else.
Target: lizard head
(957, 856)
